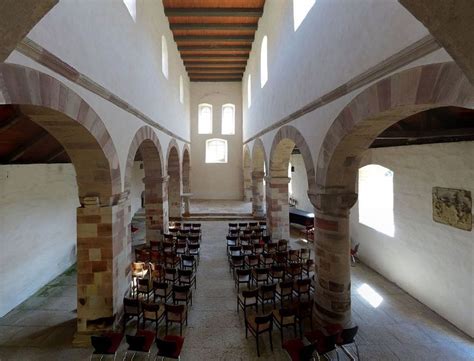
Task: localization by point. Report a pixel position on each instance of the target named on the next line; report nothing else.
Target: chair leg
(271, 340)
(258, 349)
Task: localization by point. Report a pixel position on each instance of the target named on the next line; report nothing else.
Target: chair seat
(293, 347)
(248, 300)
(284, 321)
(115, 341)
(253, 325)
(174, 317)
(149, 315)
(149, 339)
(179, 345)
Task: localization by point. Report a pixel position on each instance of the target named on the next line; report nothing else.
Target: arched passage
(147, 144)
(367, 115)
(186, 170)
(102, 264)
(258, 175)
(286, 139)
(174, 181)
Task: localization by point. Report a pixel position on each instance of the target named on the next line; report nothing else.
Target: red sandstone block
(99, 266)
(85, 278)
(89, 219)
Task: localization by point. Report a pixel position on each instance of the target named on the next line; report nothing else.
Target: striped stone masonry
(257, 194)
(103, 259)
(278, 219)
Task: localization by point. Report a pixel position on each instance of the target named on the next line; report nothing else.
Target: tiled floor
(400, 328)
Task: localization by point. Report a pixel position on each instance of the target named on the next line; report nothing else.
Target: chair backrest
(243, 272)
(135, 343)
(101, 344)
(131, 305)
(261, 271)
(160, 285)
(238, 260)
(301, 283)
(185, 273)
(268, 288)
(175, 309)
(262, 321)
(150, 307)
(166, 348)
(181, 288)
(348, 334)
(286, 312)
(188, 258)
(250, 293)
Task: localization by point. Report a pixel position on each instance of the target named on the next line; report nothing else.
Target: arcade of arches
(364, 159)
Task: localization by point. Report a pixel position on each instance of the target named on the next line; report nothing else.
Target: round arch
(283, 144)
(259, 157)
(173, 166)
(358, 124)
(101, 228)
(147, 143)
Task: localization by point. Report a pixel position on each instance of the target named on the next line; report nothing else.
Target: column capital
(277, 180)
(322, 201)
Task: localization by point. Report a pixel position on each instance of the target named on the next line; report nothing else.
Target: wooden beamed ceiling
(214, 37)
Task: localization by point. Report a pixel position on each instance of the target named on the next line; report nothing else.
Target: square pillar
(257, 194)
(278, 212)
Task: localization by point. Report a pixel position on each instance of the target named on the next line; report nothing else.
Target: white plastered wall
(299, 183)
(137, 186)
(219, 180)
(431, 261)
(37, 217)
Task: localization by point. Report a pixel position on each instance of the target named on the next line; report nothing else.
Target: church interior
(237, 180)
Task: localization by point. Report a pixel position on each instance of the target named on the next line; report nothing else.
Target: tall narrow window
(228, 119)
(301, 8)
(132, 8)
(216, 151)
(205, 119)
(249, 91)
(264, 62)
(164, 56)
(376, 198)
(181, 90)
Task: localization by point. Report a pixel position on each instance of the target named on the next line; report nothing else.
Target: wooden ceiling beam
(214, 69)
(214, 63)
(212, 47)
(426, 134)
(55, 154)
(215, 12)
(193, 75)
(213, 26)
(20, 151)
(215, 38)
(213, 57)
(216, 80)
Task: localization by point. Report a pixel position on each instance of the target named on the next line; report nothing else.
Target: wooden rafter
(213, 47)
(55, 154)
(9, 123)
(215, 12)
(215, 38)
(213, 26)
(18, 153)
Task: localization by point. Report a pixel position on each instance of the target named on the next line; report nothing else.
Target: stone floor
(400, 328)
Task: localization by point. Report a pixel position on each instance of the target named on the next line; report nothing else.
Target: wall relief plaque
(452, 207)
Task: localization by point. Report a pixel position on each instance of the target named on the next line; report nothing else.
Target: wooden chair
(153, 312)
(162, 290)
(277, 273)
(247, 299)
(131, 309)
(252, 261)
(188, 262)
(302, 287)
(242, 276)
(285, 318)
(258, 325)
(176, 314)
(144, 287)
(285, 291)
(171, 274)
(260, 275)
(106, 344)
(282, 245)
(140, 343)
(186, 277)
(169, 347)
(267, 294)
(182, 293)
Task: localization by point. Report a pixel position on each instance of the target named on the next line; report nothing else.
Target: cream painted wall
(216, 181)
(431, 261)
(299, 183)
(38, 228)
(138, 173)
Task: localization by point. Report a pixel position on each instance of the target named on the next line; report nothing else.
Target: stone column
(174, 198)
(247, 185)
(164, 187)
(154, 207)
(332, 251)
(278, 216)
(257, 194)
(103, 263)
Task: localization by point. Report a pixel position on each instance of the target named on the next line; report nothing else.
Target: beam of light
(369, 294)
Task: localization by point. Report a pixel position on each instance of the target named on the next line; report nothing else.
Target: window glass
(376, 198)
(164, 56)
(228, 119)
(205, 119)
(264, 62)
(301, 8)
(216, 151)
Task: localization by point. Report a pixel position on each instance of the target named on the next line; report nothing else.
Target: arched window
(132, 8)
(205, 119)
(301, 8)
(216, 151)
(249, 91)
(376, 198)
(164, 56)
(264, 62)
(181, 90)
(228, 119)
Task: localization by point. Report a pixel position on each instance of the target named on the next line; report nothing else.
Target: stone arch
(259, 167)
(186, 169)
(173, 166)
(283, 144)
(147, 143)
(101, 229)
(247, 174)
(358, 124)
